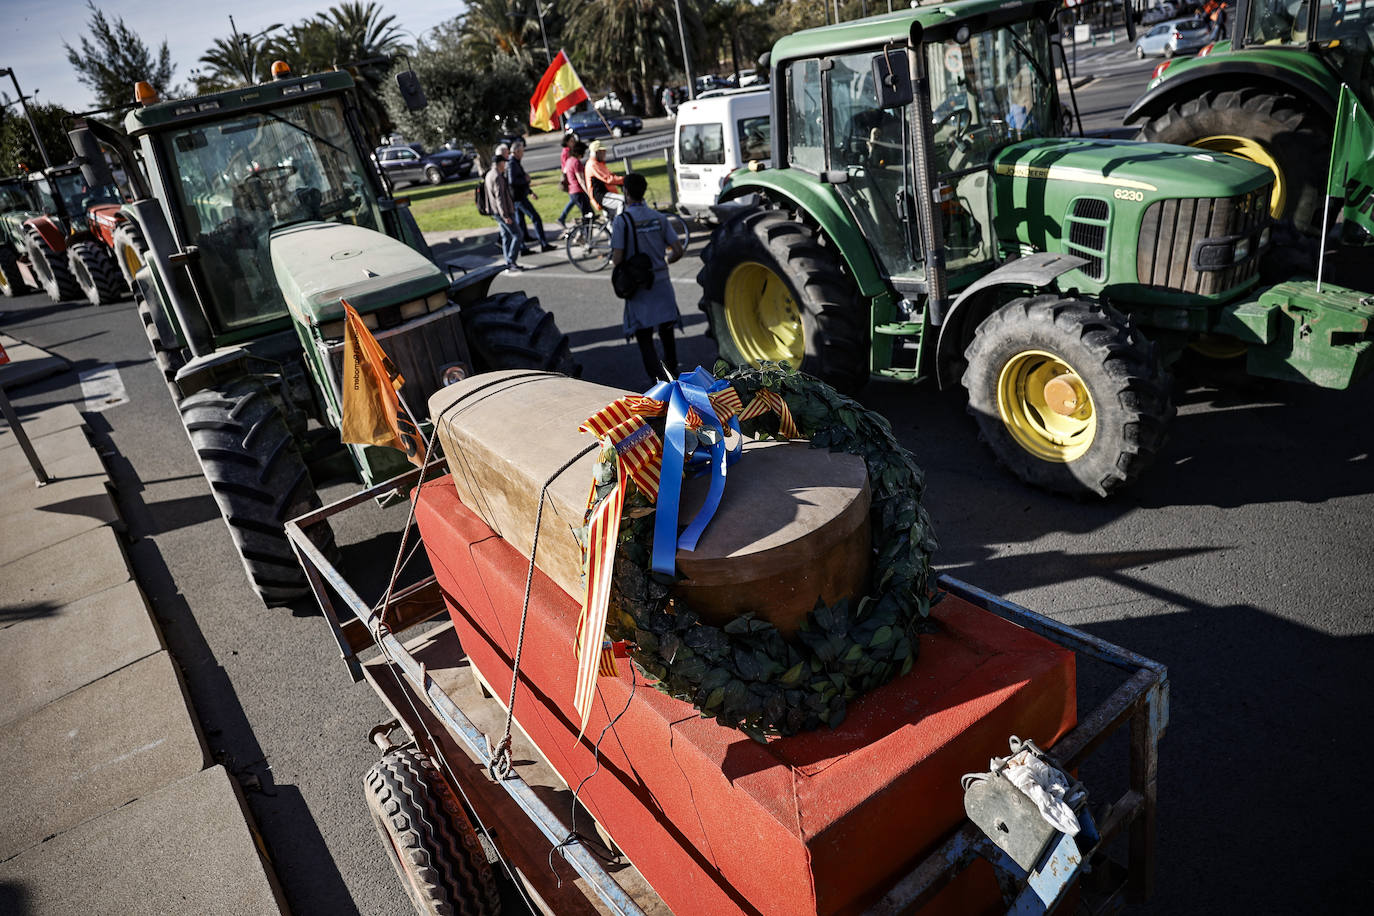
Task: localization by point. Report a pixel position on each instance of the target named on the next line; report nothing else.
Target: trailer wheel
(11, 280)
(258, 478)
(429, 838)
(95, 272)
(512, 331)
(50, 268)
(1281, 132)
(1067, 394)
(129, 251)
(772, 293)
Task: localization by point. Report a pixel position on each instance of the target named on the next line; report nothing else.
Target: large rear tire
(95, 272)
(773, 293)
(1068, 395)
(258, 478)
(50, 269)
(429, 839)
(11, 281)
(512, 331)
(1282, 132)
(130, 251)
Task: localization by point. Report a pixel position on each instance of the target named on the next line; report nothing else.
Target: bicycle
(589, 241)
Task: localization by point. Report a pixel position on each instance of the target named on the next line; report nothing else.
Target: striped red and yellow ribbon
(602, 534)
(765, 401)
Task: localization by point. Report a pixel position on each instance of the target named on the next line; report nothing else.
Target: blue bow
(691, 390)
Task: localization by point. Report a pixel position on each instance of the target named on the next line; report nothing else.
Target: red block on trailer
(819, 823)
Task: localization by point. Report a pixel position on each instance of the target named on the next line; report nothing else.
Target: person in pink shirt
(577, 188)
(569, 141)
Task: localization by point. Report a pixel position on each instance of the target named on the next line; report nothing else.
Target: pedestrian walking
(502, 207)
(563, 156)
(654, 308)
(572, 174)
(521, 192)
(599, 177)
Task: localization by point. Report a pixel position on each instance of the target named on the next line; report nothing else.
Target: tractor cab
(1340, 33)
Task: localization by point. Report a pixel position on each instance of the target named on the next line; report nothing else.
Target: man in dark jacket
(521, 192)
(502, 207)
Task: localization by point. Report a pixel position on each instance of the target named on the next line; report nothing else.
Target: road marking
(103, 388)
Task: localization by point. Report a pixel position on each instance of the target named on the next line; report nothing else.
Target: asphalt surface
(1240, 561)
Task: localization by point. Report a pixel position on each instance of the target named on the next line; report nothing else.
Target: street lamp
(686, 60)
(42, 150)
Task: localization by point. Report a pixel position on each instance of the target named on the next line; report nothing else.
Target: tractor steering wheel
(962, 118)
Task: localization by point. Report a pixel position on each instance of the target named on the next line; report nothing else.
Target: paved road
(1241, 561)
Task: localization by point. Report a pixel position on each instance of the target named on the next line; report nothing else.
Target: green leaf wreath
(745, 675)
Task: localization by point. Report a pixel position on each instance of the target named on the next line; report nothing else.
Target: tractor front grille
(1172, 230)
(421, 349)
(1087, 222)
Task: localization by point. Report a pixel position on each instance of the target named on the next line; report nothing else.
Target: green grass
(450, 207)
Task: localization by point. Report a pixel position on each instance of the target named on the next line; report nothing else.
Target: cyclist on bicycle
(599, 177)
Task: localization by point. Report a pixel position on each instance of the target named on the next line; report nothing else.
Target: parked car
(587, 125)
(1178, 36)
(408, 164)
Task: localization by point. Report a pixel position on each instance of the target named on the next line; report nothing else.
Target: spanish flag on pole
(372, 409)
(558, 90)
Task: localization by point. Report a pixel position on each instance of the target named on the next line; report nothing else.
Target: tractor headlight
(1264, 237)
(1242, 250)
(332, 330)
(437, 300)
(413, 309)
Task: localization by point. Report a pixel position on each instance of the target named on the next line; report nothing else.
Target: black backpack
(635, 272)
(483, 205)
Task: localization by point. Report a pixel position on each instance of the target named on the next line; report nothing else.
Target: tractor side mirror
(412, 93)
(892, 79)
(94, 168)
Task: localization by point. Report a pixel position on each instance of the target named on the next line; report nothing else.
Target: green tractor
(925, 219)
(1269, 94)
(261, 213)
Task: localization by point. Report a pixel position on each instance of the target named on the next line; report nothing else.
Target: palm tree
(634, 43)
(241, 60)
(744, 26)
(362, 31)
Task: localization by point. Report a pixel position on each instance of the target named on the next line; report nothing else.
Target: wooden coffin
(792, 526)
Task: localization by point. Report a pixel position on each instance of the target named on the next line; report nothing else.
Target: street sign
(640, 147)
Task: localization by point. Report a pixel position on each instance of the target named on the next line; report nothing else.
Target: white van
(715, 136)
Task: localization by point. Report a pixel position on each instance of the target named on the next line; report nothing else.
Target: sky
(32, 33)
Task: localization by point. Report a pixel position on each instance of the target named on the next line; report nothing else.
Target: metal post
(686, 59)
(543, 34)
(7, 409)
(42, 150)
(672, 178)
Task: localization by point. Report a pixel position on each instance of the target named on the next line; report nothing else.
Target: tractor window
(241, 178)
(805, 135)
(13, 197)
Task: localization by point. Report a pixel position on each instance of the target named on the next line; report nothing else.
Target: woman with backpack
(640, 234)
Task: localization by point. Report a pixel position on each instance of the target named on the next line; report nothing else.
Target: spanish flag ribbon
(372, 410)
(765, 401)
(558, 91)
(602, 534)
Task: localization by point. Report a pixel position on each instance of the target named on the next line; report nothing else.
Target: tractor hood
(318, 264)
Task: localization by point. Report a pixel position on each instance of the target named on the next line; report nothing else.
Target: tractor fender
(822, 204)
(48, 230)
(1036, 270)
(1211, 71)
(203, 371)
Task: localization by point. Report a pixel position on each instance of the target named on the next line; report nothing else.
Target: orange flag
(372, 413)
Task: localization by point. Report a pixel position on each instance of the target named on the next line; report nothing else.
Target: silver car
(1177, 36)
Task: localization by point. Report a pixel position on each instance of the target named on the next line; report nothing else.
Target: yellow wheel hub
(1046, 407)
(762, 317)
(1257, 152)
(132, 260)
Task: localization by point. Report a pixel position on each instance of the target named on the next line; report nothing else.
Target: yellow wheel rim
(763, 319)
(1046, 407)
(1245, 148)
(132, 260)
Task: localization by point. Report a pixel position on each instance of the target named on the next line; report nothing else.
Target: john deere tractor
(58, 236)
(261, 214)
(1269, 94)
(926, 219)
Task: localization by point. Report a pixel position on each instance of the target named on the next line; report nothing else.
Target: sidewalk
(111, 804)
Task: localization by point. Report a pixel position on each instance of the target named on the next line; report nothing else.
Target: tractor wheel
(1281, 132)
(11, 281)
(1070, 397)
(512, 331)
(95, 272)
(772, 293)
(429, 838)
(129, 251)
(259, 479)
(51, 270)
(433, 175)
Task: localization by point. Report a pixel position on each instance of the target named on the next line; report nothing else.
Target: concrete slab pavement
(27, 364)
(182, 849)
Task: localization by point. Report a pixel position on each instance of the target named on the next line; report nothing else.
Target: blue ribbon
(691, 390)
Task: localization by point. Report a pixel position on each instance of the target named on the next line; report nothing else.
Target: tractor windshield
(989, 90)
(72, 193)
(1343, 33)
(241, 178)
(13, 196)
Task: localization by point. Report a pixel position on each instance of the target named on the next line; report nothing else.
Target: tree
(465, 100)
(241, 60)
(742, 28)
(17, 146)
(632, 44)
(114, 58)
